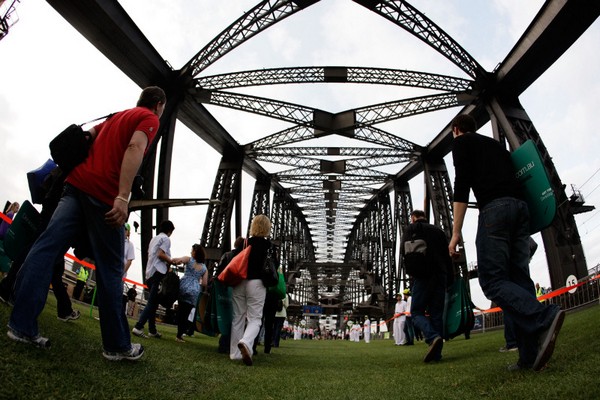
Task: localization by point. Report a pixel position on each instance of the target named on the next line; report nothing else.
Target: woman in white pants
(249, 296)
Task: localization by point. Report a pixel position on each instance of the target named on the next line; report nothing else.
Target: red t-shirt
(99, 174)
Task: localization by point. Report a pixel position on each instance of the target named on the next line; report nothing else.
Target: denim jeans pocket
(495, 219)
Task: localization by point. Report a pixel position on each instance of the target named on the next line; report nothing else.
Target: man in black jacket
(431, 275)
(484, 165)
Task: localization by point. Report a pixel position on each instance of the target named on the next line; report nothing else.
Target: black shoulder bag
(270, 277)
(71, 147)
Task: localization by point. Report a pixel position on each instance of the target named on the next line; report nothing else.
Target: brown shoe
(246, 355)
(548, 341)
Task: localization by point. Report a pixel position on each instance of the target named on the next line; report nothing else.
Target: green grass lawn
(471, 369)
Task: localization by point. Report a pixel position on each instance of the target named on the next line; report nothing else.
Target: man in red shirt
(95, 204)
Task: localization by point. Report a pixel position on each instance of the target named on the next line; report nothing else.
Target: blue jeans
(277, 327)
(409, 331)
(428, 295)
(149, 312)
(503, 265)
(509, 332)
(76, 214)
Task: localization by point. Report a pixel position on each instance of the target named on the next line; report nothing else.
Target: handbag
(270, 276)
(237, 269)
(71, 147)
(279, 289)
(223, 295)
(203, 321)
(458, 314)
(37, 180)
(23, 231)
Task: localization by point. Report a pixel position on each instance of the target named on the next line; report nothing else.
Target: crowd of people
(91, 211)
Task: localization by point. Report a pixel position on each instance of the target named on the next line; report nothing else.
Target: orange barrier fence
(550, 295)
(5, 218)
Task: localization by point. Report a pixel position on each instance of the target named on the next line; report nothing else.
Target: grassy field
(471, 369)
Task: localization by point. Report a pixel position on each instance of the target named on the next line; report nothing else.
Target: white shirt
(159, 242)
(401, 307)
(283, 312)
(129, 253)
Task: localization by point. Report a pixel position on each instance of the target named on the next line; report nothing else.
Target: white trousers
(367, 336)
(399, 336)
(248, 300)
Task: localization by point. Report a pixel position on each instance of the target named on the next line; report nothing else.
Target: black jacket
(482, 164)
(438, 256)
(258, 253)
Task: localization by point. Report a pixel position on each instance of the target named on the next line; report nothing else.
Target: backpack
(169, 290)
(415, 252)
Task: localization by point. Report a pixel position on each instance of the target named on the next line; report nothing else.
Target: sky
(50, 77)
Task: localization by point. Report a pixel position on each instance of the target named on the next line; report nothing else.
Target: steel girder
(387, 238)
(263, 15)
(281, 153)
(216, 235)
(327, 74)
(373, 241)
(403, 209)
(164, 136)
(439, 194)
(439, 197)
(297, 134)
(261, 199)
(323, 122)
(7, 20)
(416, 23)
(348, 165)
(290, 229)
(564, 252)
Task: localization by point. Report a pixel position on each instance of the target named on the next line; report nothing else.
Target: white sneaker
(246, 353)
(73, 316)
(133, 354)
(38, 341)
(139, 333)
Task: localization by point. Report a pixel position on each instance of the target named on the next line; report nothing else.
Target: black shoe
(156, 335)
(518, 367)
(434, 349)
(548, 341)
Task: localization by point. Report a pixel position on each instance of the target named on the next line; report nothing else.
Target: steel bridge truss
(333, 187)
(318, 177)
